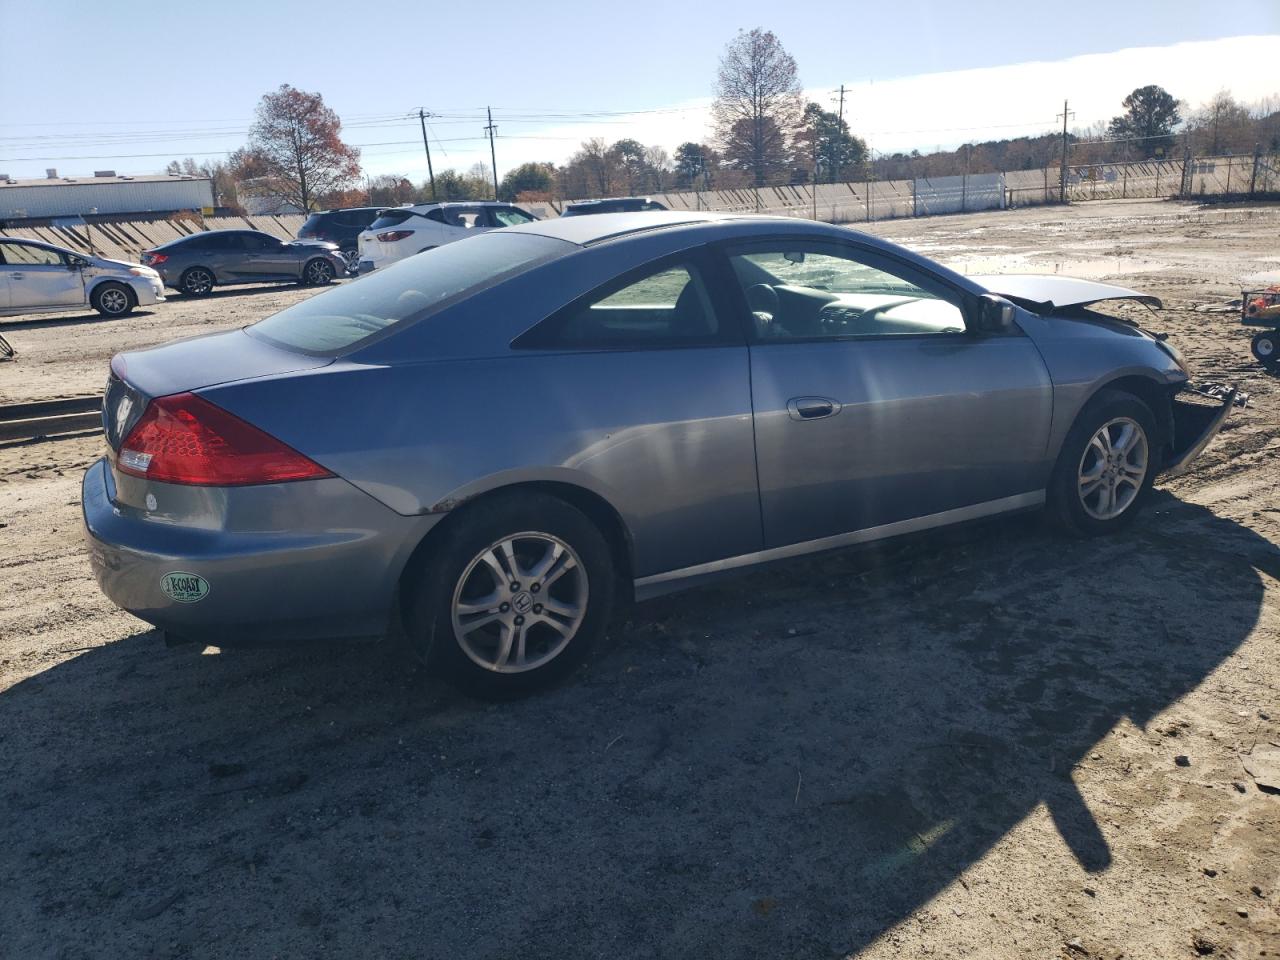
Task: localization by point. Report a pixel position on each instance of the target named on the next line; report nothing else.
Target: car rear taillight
(184, 438)
(391, 236)
(150, 259)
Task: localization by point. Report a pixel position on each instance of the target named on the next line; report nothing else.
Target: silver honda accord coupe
(490, 446)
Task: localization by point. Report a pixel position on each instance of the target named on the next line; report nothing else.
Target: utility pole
(493, 160)
(422, 118)
(1062, 183)
(815, 168)
(835, 174)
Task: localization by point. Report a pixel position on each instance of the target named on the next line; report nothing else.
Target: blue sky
(129, 85)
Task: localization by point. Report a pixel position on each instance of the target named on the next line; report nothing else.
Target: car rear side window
(337, 321)
(25, 254)
(666, 307)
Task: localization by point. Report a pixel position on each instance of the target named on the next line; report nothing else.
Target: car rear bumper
(263, 572)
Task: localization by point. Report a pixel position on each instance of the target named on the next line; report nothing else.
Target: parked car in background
(340, 226)
(37, 277)
(401, 232)
(498, 438)
(611, 205)
(196, 264)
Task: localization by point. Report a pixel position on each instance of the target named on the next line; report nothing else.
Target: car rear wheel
(514, 596)
(112, 299)
(196, 281)
(318, 272)
(1107, 465)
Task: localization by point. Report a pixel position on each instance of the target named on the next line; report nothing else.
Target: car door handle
(811, 408)
(17, 276)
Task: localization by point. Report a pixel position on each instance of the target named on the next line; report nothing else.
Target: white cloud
(929, 110)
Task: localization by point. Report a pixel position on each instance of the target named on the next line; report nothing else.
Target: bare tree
(758, 105)
(296, 146)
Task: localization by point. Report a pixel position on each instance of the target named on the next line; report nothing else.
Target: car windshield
(337, 321)
(391, 218)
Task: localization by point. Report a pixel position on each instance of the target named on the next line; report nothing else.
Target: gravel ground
(990, 743)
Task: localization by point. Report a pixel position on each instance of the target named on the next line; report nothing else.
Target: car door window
(257, 243)
(468, 218)
(509, 217)
(806, 292)
(666, 307)
(29, 255)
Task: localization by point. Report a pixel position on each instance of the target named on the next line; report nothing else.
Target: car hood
(323, 244)
(1049, 293)
(108, 264)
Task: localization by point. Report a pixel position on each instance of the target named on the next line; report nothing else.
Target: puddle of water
(1090, 269)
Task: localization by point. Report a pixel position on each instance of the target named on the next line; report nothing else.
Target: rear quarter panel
(665, 437)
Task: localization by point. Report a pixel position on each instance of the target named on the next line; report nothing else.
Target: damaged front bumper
(1194, 427)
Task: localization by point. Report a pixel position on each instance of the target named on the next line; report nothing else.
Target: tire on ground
(1265, 347)
(196, 281)
(1067, 507)
(314, 272)
(480, 527)
(113, 299)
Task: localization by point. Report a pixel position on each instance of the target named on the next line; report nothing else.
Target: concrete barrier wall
(126, 239)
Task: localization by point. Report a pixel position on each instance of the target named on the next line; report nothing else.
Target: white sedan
(37, 277)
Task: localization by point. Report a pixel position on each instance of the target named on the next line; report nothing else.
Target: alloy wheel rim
(519, 602)
(1266, 347)
(1113, 468)
(319, 272)
(198, 281)
(113, 301)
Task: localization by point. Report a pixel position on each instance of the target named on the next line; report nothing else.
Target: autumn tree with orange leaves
(295, 152)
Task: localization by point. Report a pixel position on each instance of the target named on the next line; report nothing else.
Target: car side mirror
(995, 314)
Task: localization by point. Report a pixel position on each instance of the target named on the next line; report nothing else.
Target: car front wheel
(112, 299)
(1106, 466)
(318, 272)
(515, 595)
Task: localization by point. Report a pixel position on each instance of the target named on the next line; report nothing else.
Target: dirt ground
(993, 743)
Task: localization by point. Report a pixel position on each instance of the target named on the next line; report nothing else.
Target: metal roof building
(106, 193)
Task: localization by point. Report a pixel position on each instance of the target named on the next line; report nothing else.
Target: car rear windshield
(339, 320)
(391, 218)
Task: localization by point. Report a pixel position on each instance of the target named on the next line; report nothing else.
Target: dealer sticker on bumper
(184, 587)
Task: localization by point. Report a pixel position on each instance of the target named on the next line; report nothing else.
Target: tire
(1265, 347)
(1078, 489)
(468, 626)
(318, 272)
(196, 281)
(113, 299)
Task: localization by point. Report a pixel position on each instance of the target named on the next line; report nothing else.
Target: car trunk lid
(189, 365)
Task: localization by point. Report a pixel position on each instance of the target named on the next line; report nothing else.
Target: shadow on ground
(782, 765)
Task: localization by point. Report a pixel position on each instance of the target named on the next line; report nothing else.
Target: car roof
(604, 200)
(432, 204)
(588, 230)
